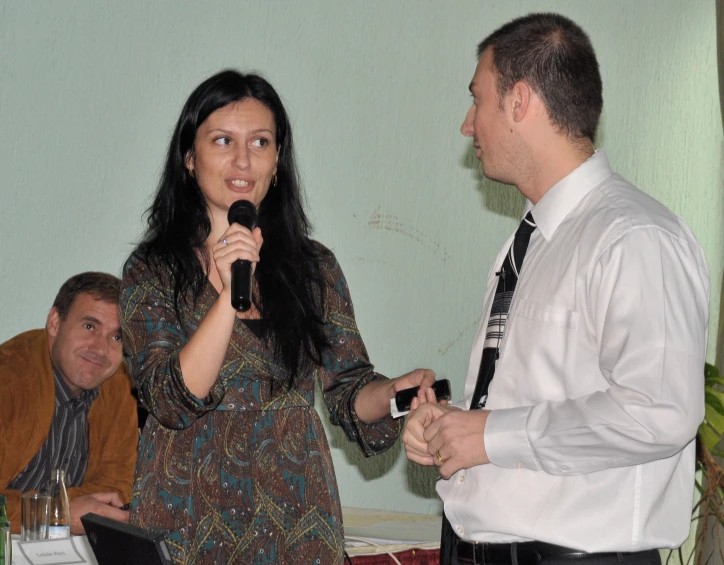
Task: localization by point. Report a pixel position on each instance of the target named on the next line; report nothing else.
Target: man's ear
(53, 322)
(520, 96)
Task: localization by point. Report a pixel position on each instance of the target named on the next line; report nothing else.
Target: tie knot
(527, 226)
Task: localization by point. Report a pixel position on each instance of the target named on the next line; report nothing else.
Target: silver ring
(225, 242)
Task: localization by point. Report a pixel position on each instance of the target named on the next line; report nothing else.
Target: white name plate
(48, 552)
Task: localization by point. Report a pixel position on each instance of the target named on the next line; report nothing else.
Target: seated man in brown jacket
(65, 402)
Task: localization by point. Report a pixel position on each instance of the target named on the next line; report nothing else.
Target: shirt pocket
(538, 355)
(546, 314)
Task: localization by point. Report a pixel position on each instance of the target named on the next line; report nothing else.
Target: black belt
(525, 553)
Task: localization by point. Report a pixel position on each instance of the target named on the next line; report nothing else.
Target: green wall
(377, 90)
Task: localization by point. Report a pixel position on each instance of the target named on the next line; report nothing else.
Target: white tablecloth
(381, 531)
(367, 531)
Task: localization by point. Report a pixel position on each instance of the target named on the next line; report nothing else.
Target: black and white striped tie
(507, 281)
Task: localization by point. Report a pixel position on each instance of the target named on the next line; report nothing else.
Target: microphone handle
(241, 285)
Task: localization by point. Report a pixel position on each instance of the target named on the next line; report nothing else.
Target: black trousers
(454, 551)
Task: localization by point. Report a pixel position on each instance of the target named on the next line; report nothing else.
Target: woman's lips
(240, 185)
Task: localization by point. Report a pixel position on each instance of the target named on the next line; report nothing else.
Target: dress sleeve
(153, 336)
(346, 369)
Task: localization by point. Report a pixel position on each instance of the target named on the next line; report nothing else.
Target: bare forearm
(373, 400)
(202, 356)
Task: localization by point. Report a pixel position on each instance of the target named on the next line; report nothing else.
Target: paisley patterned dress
(242, 476)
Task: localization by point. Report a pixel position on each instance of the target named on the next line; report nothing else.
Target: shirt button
(461, 478)
(518, 465)
(459, 530)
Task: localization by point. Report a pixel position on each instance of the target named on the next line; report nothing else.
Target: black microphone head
(242, 212)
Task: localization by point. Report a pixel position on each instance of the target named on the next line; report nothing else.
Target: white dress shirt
(599, 388)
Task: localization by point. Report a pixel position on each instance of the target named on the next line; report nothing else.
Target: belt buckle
(469, 552)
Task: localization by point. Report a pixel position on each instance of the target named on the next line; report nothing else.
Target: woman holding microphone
(233, 461)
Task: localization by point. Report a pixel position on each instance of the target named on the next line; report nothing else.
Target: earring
(192, 174)
(274, 180)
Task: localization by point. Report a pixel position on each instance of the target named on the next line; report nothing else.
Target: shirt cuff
(506, 440)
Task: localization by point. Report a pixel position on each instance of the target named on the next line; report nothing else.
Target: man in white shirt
(582, 445)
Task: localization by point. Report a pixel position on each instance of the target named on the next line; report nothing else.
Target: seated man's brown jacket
(27, 404)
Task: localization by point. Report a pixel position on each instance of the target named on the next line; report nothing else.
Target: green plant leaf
(711, 381)
(708, 436)
(714, 419)
(715, 400)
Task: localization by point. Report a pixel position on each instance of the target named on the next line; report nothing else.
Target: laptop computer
(118, 543)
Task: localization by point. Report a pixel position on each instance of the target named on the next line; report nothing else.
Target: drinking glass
(34, 524)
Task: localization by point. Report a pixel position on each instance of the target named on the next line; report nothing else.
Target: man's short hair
(555, 57)
(100, 286)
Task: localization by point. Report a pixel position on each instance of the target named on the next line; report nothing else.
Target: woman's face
(235, 155)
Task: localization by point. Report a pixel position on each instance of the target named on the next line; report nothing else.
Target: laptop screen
(118, 543)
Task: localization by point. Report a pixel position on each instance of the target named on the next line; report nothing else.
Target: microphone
(243, 213)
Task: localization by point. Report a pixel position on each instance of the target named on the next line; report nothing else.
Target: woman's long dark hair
(289, 282)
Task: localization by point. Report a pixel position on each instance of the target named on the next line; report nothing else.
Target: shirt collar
(63, 394)
(564, 196)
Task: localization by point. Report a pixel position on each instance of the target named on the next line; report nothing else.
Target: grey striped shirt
(66, 446)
